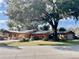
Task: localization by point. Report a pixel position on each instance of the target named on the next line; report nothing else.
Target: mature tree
(14, 26)
(10, 24)
(62, 29)
(26, 12)
(46, 27)
(61, 9)
(30, 12)
(43, 27)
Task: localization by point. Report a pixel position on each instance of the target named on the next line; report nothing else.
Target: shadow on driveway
(3, 45)
(68, 48)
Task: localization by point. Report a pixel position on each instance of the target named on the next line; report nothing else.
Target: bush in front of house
(45, 39)
(63, 40)
(24, 39)
(34, 38)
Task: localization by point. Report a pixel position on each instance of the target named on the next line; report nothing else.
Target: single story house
(38, 34)
(66, 35)
(25, 34)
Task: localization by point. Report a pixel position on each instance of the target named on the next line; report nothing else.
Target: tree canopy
(61, 9)
(27, 12)
(62, 29)
(34, 12)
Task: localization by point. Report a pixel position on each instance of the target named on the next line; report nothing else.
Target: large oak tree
(32, 12)
(61, 9)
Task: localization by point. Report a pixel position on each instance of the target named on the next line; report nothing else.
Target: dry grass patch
(35, 43)
(40, 43)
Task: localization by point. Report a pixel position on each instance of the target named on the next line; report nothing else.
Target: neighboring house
(66, 35)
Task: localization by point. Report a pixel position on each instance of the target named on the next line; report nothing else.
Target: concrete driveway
(39, 52)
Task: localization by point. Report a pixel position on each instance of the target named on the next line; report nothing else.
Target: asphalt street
(39, 52)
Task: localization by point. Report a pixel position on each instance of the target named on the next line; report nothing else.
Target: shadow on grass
(53, 44)
(66, 46)
(4, 45)
(73, 46)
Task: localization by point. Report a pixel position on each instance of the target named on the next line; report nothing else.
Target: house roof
(11, 31)
(65, 32)
(38, 32)
(42, 32)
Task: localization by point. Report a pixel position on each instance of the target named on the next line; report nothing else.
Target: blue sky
(3, 18)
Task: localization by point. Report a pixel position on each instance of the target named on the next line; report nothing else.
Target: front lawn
(35, 43)
(41, 43)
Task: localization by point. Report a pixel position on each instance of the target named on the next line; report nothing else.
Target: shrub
(24, 39)
(45, 39)
(63, 40)
(34, 38)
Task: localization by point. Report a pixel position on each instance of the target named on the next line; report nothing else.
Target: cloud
(3, 12)
(3, 7)
(1, 1)
(3, 24)
(3, 21)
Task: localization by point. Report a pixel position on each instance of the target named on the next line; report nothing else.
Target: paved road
(40, 52)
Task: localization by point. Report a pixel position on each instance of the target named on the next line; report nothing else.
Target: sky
(3, 18)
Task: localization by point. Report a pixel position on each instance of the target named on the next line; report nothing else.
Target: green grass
(3, 44)
(73, 42)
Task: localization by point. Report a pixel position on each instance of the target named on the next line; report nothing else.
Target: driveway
(39, 52)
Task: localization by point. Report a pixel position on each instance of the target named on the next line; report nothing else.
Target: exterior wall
(66, 36)
(19, 35)
(40, 35)
(14, 35)
(70, 36)
(26, 35)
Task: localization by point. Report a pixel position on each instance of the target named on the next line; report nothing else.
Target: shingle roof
(42, 32)
(27, 31)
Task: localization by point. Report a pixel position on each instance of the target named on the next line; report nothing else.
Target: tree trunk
(54, 28)
(55, 34)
